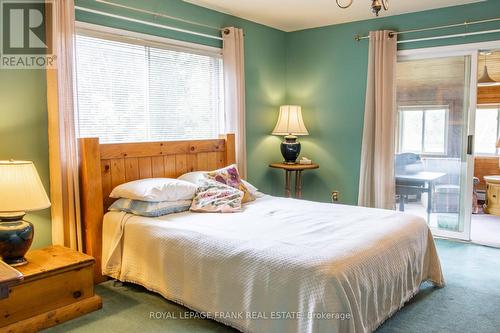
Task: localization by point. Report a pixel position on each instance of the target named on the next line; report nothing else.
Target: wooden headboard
(105, 166)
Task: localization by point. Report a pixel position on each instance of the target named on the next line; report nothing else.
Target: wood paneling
(211, 161)
(170, 166)
(105, 166)
(131, 169)
(107, 184)
(180, 164)
(117, 172)
(488, 95)
(230, 150)
(202, 161)
(149, 149)
(485, 166)
(145, 167)
(221, 159)
(158, 166)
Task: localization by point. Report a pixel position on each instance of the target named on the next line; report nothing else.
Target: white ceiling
(291, 15)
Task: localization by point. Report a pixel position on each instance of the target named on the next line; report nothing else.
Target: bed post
(230, 148)
(91, 201)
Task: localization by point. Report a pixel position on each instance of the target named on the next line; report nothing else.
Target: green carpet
(470, 302)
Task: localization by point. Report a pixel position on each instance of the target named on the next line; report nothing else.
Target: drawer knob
(77, 294)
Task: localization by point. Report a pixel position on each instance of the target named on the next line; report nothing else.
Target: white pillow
(195, 176)
(155, 190)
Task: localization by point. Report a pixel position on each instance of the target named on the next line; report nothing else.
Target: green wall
(322, 69)
(326, 74)
(23, 132)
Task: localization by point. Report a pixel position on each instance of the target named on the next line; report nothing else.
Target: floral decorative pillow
(231, 177)
(215, 197)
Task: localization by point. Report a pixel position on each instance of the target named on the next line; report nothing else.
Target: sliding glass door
(435, 102)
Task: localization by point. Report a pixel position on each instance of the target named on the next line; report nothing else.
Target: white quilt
(282, 265)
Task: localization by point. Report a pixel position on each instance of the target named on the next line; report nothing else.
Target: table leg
(298, 184)
(288, 190)
(429, 201)
(401, 203)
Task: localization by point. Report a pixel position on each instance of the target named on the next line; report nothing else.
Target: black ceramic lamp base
(290, 149)
(16, 262)
(16, 236)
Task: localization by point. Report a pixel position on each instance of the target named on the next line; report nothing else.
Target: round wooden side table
(297, 168)
(492, 205)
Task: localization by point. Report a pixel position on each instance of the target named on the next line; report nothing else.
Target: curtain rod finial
(357, 38)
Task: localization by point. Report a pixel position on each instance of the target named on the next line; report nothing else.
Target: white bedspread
(301, 260)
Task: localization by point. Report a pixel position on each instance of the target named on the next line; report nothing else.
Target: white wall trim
(121, 35)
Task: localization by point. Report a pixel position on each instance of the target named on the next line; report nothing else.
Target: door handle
(470, 144)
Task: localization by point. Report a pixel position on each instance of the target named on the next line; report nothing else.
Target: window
(423, 130)
(140, 90)
(487, 130)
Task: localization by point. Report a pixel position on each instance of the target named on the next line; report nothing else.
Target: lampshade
(21, 189)
(290, 121)
(485, 80)
(498, 143)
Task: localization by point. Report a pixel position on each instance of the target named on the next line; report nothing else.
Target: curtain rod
(157, 25)
(466, 23)
(158, 14)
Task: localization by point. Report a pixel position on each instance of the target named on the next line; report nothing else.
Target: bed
(281, 265)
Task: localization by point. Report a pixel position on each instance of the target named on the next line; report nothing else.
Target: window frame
(137, 38)
(489, 106)
(423, 108)
(147, 41)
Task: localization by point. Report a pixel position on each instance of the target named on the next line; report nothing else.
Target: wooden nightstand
(297, 168)
(57, 286)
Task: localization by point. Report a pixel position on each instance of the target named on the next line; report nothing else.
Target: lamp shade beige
(290, 121)
(21, 189)
(485, 80)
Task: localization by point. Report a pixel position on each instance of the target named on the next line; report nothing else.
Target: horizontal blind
(131, 92)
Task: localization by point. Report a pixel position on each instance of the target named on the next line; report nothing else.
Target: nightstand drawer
(41, 295)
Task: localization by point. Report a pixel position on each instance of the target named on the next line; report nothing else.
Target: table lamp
(290, 124)
(21, 190)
